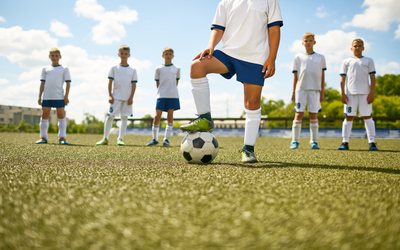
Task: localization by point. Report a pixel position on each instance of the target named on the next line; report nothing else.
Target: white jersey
(54, 78)
(123, 77)
(309, 69)
(357, 71)
(167, 75)
(245, 24)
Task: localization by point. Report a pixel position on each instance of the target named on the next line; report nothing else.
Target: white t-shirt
(123, 77)
(357, 71)
(54, 78)
(309, 69)
(167, 75)
(245, 24)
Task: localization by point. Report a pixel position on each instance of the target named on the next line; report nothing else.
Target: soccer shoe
(63, 141)
(314, 145)
(198, 124)
(152, 143)
(373, 147)
(294, 145)
(120, 142)
(41, 141)
(165, 143)
(104, 141)
(344, 146)
(248, 156)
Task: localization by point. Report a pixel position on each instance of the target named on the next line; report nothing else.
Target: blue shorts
(245, 72)
(53, 103)
(166, 104)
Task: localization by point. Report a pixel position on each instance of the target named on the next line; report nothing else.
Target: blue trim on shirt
(178, 78)
(68, 81)
(373, 72)
(133, 81)
(157, 80)
(42, 80)
(168, 65)
(124, 66)
(310, 54)
(214, 26)
(280, 23)
(56, 66)
(294, 71)
(342, 74)
(324, 69)
(111, 78)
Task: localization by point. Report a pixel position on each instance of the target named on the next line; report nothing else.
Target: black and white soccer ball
(199, 147)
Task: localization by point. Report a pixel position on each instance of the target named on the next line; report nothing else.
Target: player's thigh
(364, 108)
(300, 101)
(313, 101)
(350, 109)
(252, 96)
(60, 113)
(115, 108)
(200, 68)
(46, 112)
(126, 110)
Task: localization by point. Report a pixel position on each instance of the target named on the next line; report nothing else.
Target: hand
(205, 53)
(269, 66)
(66, 101)
(111, 99)
(370, 98)
(321, 97)
(130, 101)
(40, 101)
(345, 99)
(293, 97)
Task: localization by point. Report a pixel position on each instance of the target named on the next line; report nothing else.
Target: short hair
(309, 34)
(168, 49)
(358, 40)
(124, 47)
(52, 50)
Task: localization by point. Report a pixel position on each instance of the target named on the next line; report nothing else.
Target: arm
(295, 79)
(342, 85)
(215, 38)
(110, 98)
(158, 84)
(321, 98)
(371, 95)
(41, 89)
(68, 85)
(177, 81)
(130, 100)
(274, 39)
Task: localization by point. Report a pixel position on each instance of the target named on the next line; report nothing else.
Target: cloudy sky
(89, 32)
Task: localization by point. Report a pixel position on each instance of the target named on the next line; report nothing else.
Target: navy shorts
(166, 104)
(245, 72)
(53, 103)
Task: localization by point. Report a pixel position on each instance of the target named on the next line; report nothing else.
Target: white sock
(346, 130)
(168, 131)
(62, 128)
(296, 129)
(108, 126)
(370, 127)
(44, 127)
(201, 95)
(122, 127)
(155, 129)
(314, 131)
(253, 118)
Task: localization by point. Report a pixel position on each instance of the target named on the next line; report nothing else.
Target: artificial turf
(83, 196)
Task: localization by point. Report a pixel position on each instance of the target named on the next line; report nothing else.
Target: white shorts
(309, 99)
(120, 107)
(360, 103)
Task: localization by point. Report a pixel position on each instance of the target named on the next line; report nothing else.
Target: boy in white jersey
(121, 95)
(167, 78)
(250, 31)
(357, 94)
(51, 86)
(308, 89)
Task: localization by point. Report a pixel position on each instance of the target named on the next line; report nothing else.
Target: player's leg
(314, 130)
(365, 110)
(62, 125)
(114, 109)
(201, 91)
(300, 107)
(125, 111)
(168, 129)
(350, 111)
(44, 124)
(156, 127)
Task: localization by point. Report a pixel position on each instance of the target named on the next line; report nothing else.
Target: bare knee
(252, 103)
(197, 69)
(299, 116)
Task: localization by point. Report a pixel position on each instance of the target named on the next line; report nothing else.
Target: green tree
(388, 85)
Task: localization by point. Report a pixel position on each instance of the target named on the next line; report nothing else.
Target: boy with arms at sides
(308, 89)
(250, 31)
(121, 95)
(51, 86)
(357, 94)
(167, 77)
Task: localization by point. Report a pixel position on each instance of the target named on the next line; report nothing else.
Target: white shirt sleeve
(296, 65)
(67, 76)
(371, 67)
(111, 73)
(134, 76)
(274, 14)
(323, 63)
(219, 21)
(178, 74)
(343, 68)
(43, 76)
(157, 75)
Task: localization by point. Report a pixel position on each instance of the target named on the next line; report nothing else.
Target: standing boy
(308, 89)
(51, 86)
(250, 31)
(121, 95)
(167, 78)
(358, 94)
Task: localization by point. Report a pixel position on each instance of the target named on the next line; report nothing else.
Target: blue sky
(88, 32)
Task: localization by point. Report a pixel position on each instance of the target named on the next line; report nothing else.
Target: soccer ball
(199, 147)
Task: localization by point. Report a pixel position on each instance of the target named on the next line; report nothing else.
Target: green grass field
(84, 196)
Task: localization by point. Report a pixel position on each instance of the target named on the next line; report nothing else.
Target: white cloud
(321, 12)
(4, 81)
(2, 19)
(378, 15)
(397, 33)
(388, 68)
(60, 29)
(111, 28)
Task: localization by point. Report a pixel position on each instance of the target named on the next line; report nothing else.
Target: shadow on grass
(364, 150)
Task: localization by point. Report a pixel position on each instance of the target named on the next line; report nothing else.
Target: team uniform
(357, 72)
(53, 96)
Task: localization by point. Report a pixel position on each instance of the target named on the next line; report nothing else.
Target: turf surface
(83, 196)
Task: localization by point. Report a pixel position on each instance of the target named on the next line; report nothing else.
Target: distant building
(15, 114)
